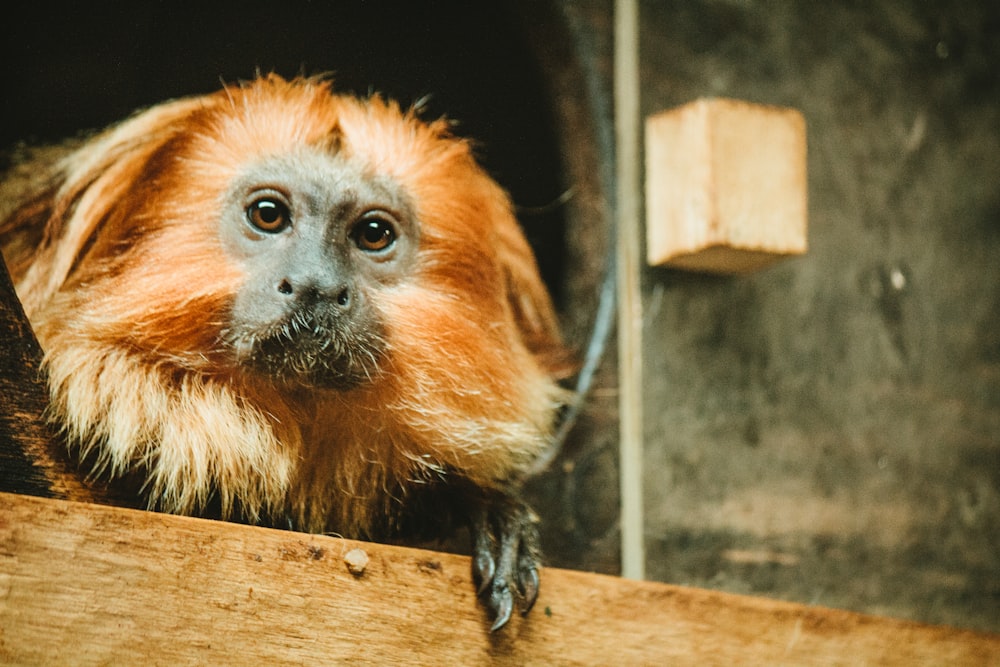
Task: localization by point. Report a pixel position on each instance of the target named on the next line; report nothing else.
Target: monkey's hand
(505, 556)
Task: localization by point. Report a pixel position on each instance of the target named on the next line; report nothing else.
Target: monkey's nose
(340, 295)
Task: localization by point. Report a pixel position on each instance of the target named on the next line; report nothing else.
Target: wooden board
(87, 584)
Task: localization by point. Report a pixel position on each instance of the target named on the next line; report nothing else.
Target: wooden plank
(87, 584)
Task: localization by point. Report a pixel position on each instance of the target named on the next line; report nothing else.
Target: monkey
(289, 306)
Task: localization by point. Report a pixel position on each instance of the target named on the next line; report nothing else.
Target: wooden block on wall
(725, 186)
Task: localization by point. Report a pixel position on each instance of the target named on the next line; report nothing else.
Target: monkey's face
(280, 232)
(318, 238)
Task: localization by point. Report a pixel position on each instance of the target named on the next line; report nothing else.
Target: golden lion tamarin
(296, 307)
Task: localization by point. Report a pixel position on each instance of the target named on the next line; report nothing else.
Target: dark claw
(505, 557)
(483, 567)
(483, 562)
(527, 584)
(502, 603)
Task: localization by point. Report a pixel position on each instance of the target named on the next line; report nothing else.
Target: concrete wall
(828, 430)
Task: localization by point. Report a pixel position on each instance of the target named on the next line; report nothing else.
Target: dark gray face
(319, 239)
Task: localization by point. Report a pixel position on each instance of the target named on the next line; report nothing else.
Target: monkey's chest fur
(360, 460)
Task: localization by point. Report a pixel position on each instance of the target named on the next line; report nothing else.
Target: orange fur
(129, 289)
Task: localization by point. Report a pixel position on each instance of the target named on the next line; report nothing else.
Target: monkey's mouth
(312, 350)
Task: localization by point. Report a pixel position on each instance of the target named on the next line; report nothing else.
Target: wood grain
(89, 584)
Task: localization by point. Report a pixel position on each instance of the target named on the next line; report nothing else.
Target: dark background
(83, 66)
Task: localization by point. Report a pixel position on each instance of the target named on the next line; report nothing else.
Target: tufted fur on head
(134, 260)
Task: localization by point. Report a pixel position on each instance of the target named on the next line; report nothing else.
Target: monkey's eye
(269, 215)
(374, 233)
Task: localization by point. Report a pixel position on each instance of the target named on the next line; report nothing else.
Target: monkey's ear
(61, 212)
(532, 306)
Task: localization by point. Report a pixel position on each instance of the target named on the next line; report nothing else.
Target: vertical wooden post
(629, 266)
